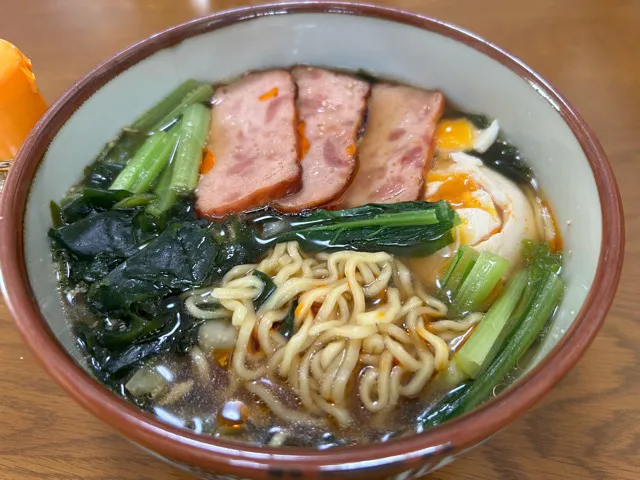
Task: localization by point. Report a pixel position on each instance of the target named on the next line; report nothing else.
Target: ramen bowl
(391, 44)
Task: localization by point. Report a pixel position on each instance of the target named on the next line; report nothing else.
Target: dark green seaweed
(288, 324)
(135, 329)
(506, 159)
(108, 233)
(113, 354)
(182, 257)
(89, 201)
(269, 288)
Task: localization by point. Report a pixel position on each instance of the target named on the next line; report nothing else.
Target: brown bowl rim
(230, 457)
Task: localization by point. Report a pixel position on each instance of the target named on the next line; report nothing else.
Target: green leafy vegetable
(165, 197)
(542, 308)
(166, 109)
(470, 279)
(535, 306)
(146, 165)
(149, 174)
(193, 132)
(137, 200)
(407, 228)
(202, 93)
(112, 159)
(116, 154)
(458, 270)
(490, 334)
(483, 277)
(442, 411)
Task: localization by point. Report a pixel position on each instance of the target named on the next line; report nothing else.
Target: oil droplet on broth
(234, 414)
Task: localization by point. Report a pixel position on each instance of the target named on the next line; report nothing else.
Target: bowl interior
(392, 50)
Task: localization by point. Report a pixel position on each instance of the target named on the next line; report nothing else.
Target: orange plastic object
(21, 104)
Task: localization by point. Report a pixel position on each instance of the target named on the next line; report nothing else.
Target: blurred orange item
(21, 104)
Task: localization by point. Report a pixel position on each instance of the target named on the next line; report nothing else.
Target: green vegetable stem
(194, 129)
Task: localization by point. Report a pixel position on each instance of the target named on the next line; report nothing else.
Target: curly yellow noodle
(361, 317)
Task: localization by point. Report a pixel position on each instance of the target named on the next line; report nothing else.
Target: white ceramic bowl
(472, 73)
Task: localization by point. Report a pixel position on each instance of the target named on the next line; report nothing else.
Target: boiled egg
(461, 135)
(495, 213)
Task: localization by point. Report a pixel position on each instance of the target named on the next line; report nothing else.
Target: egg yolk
(456, 188)
(455, 135)
(459, 190)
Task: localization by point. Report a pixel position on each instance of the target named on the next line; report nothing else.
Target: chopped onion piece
(146, 382)
(217, 335)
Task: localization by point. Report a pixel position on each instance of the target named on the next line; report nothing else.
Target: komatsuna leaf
(405, 228)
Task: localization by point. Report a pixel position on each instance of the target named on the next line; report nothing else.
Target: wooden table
(587, 428)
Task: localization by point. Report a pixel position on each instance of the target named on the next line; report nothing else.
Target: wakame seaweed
(108, 233)
(89, 201)
(506, 159)
(112, 354)
(287, 326)
(269, 288)
(182, 257)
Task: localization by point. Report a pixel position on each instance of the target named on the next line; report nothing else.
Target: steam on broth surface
(307, 257)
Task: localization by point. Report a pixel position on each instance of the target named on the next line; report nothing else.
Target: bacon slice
(331, 108)
(397, 147)
(254, 143)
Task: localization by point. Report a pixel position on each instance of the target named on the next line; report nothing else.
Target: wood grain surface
(587, 428)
